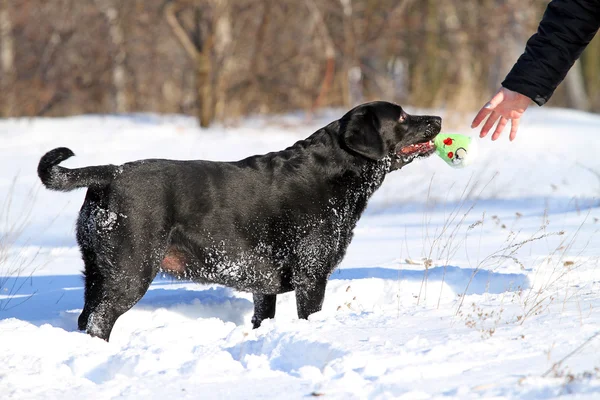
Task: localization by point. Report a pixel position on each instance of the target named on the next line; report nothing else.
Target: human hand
(505, 105)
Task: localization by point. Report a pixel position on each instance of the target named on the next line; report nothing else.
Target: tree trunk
(204, 88)
(590, 61)
(223, 42)
(7, 61)
(119, 73)
(574, 83)
(323, 31)
(352, 74)
(202, 61)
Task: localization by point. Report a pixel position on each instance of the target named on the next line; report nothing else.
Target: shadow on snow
(481, 281)
(58, 299)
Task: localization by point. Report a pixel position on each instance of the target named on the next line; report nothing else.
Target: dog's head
(380, 129)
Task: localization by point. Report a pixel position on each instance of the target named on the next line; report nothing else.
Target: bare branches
(190, 48)
(200, 54)
(224, 58)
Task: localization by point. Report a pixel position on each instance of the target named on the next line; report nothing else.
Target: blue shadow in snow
(58, 299)
(528, 206)
(482, 281)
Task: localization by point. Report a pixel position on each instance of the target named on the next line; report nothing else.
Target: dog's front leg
(264, 307)
(310, 292)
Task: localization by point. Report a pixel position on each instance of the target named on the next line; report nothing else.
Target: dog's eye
(402, 118)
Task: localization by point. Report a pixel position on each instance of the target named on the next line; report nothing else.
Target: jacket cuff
(525, 90)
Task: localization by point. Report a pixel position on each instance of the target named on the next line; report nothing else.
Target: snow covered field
(459, 284)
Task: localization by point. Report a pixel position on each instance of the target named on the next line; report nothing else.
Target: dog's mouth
(412, 151)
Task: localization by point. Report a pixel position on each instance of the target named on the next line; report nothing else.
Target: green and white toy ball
(457, 150)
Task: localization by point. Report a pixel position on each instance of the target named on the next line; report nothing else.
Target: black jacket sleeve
(565, 30)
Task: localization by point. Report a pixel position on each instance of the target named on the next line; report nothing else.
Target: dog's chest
(268, 263)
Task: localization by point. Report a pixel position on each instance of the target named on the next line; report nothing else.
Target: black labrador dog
(267, 224)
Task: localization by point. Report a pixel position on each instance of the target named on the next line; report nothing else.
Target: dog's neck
(356, 177)
(352, 178)
(355, 191)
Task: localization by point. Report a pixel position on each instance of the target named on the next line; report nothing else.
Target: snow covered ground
(459, 284)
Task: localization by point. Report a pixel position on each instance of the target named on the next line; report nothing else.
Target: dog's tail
(55, 177)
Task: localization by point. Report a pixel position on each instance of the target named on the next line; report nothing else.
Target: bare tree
(352, 73)
(575, 87)
(325, 36)
(591, 67)
(7, 57)
(222, 49)
(198, 47)
(110, 9)
(218, 59)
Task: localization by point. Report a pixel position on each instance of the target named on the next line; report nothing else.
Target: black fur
(58, 178)
(267, 224)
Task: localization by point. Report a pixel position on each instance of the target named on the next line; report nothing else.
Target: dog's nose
(437, 121)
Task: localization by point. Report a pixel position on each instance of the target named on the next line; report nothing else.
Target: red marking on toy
(448, 142)
(450, 154)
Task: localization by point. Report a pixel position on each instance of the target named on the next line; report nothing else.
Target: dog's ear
(361, 134)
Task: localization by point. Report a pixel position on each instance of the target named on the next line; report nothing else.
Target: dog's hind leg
(120, 291)
(123, 283)
(93, 284)
(264, 307)
(92, 276)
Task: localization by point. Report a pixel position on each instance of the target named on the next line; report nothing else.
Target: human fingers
(499, 128)
(484, 112)
(489, 123)
(514, 127)
(487, 109)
